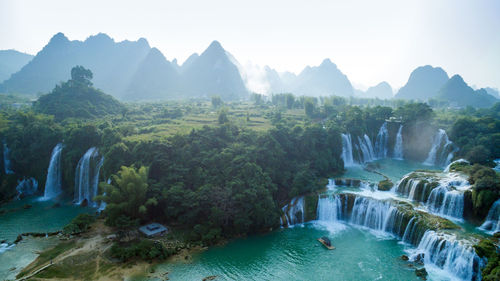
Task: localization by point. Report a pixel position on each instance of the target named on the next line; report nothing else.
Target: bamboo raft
(326, 242)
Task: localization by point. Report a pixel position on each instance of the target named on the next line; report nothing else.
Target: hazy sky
(370, 41)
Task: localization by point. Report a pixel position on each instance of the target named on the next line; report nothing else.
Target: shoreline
(87, 256)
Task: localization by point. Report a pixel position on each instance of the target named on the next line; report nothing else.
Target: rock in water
(422, 273)
(404, 257)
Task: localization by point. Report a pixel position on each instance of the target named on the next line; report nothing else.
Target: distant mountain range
(132, 70)
(381, 91)
(12, 61)
(424, 83)
(456, 92)
(427, 82)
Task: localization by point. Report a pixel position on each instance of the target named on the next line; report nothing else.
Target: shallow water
(41, 217)
(295, 254)
(394, 169)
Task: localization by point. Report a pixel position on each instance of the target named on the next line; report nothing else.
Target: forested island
(214, 170)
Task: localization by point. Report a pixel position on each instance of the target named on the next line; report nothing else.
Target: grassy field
(158, 121)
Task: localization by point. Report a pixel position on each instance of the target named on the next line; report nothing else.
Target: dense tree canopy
(77, 98)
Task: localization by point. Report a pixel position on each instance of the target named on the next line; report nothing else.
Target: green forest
(214, 170)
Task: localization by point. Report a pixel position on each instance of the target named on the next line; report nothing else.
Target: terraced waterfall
(492, 222)
(440, 193)
(415, 212)
(434, 244)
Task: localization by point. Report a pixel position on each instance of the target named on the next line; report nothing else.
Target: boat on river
(326, 242)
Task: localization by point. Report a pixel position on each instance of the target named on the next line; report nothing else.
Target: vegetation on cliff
(76, 98)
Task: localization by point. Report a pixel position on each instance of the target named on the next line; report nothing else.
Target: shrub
(145, 249)
(79, 224)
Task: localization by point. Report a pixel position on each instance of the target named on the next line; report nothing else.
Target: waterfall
(369, 145)
(413, 189)
(329, 208)
(382, 141)
(446, 202)
(294, 212)
(367, 212)
(443, 196)
(492, 222)
(398, 146)
(366, 148)
(87, 177)
(331, 184)
(362, 148)
(441, 151)
(6, 159)
(103, 204)
(447, 253)
(54, 178)
(497, 165)
(347, 150)
(26, 187)
(441, 250)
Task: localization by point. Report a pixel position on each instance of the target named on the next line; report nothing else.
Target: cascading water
(497, 165)
(331, 184)
(492, 222)
(446, 202)
(103, 204)
(367, 212)
(330, 208)
(54, 178)
(441, 151)
(442, 194)
(362, 148)
(444, 251)
(398, 146)
(440, 250)
(26, 187)
(365, 145)
(381, 142)
(6, 159)
(347, 150)
(294, 212)
(87, 177)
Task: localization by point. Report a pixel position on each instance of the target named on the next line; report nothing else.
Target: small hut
(153, 229)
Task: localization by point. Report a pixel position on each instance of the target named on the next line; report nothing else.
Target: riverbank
(87, 257)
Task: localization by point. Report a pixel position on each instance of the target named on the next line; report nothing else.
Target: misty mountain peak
(457, 79)
(424, 83)
(58, 38)
(327, 62)
(156, 54)
(215, 48)
(143, 41)
(100, 37)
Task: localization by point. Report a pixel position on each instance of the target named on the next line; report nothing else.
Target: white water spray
(54, 176)
(398, 146)
(87, 177)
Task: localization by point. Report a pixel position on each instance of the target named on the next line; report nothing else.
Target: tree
(290, 101)
(478, 154)
(126, 195)
(257, 98)
(309, 107)
(81, 75)
(216, 101)
(223, 117)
